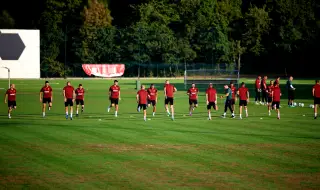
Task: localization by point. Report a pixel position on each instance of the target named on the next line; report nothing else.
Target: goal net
(218, 77)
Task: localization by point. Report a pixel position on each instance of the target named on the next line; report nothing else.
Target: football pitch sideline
(98, 151)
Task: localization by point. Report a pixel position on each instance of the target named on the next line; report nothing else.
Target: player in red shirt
(153, 98)
(79, 99)
(269, 92)
(169, 91)
(234, 97)
(264, 90)
(114, 96)
(193, 98)
(276, 95)
(211, 97)
(69, 95)
(277, 81)
(258, 90)
(46, 97)
(142, 100)
(316, 95)
(11, 97)
(243, 93)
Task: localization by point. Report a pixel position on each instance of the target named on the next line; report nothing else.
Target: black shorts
(291, 94)
(243, 103)
(232, 101)
(153, 102)
(168, 100)
(80, 102)
(211, 104)
(316, 100)
(69, 102)
(195, 102)
(46, 100)
(277, 104)
(143, 106)
(114, 101)
(269, 99)
(12, 104)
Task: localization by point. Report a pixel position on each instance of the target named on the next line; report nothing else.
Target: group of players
(149, 97)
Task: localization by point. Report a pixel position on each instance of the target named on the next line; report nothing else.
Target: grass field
(99, 151)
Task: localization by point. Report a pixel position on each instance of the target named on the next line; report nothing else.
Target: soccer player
(277, 81)
(234, 97)
(142, 100)
(269, 91)
(211, 97)
(258, 90)
(316, 95)
(46, 97)
(169, 91)
(227, 105)
(153, 98)
(69, 95)
(193, 98)
(11, 97)
(243, 93)
(291, 90)
(79, 99)
(276, 94)
(114, 96)
(264, 90)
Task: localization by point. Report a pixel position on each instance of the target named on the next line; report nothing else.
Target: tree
(6, 21)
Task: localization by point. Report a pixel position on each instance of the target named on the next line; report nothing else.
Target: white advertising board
(20, 52)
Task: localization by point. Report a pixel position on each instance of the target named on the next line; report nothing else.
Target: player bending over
(316, 95)
(114, 96)
(227, 105)
(79, 99)
(234, 97)
(153, 98)
(169, 91)
(276, 96)
(193, 98)
(243, 93)
(69, 95)
(46, 97)
(11, 97)
(142, 100)
(211, 98)
(269, 91)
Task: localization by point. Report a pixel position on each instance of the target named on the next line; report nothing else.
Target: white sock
(209, 115)
(154, 113)
(278, 114)
(66, 113)
(246, 112)
(115, 113)
(9, 114)
(224, 113)
(232, 114)
(71, 114)
(315, 114)
(77, 111)
(144, 117)
(190, 112)
(240, 115)
(43, 113)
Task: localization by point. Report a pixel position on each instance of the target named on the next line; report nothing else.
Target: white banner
(20, 52)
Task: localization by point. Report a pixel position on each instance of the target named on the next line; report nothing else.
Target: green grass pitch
(99, 151)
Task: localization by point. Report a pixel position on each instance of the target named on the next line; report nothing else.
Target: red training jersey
(68, 90)
(47, 91)
(317, 90)
(115, 91)
(211, 92)
(269, 90)
(193, 92)
(11, 94)
(169, 90)
(277, 81)
(258, 84)
(264, 84)
(276, 94)
(152, 93)
(143, 96)
(79, 94)
(243, 93)
(233, 90)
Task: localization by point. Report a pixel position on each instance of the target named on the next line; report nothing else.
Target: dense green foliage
(246, 34)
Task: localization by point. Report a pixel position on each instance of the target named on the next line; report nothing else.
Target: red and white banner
(104, 70)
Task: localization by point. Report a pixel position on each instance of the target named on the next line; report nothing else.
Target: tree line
(254, 36)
